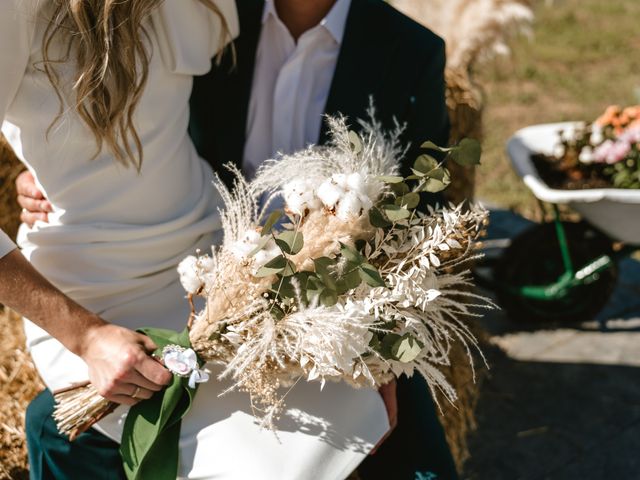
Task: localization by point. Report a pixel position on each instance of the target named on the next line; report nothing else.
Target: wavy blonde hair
(108, 41)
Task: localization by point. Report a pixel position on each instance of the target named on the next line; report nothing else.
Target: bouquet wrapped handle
(149, 445)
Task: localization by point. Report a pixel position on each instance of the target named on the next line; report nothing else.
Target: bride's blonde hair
(109, 44)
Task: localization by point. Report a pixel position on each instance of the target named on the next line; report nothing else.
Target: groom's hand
(32, 201)
(120, 365)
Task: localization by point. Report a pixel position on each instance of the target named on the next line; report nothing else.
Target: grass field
(583, 56)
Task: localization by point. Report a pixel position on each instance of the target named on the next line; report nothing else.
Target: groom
(297, 60)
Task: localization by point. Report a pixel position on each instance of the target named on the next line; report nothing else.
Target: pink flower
(630, 135)
(612, 152)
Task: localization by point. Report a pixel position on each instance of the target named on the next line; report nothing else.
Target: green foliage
(272, 219)
(370, 275)
(290, 242)
(406, 348)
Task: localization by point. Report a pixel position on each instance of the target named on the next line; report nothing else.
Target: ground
(561, 402)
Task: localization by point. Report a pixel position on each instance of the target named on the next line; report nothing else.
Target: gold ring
(135, 394)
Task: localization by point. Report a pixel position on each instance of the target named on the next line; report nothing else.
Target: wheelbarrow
(559, 270)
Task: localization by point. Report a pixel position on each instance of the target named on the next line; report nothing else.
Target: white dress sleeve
(17, 25)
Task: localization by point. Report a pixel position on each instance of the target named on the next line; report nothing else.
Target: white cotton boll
(596, 136)
(356, 182)
(251, 236)
(260, 259)
(247, 244)
(558, 151)
(297, 196)
(329, 193)
(206, 263)
(586, 155)
(241, 249)
(366, 202)
(341, 180)
(349, 207)
(189, 275)
(265, 255)
(295, 204)
(314, 203)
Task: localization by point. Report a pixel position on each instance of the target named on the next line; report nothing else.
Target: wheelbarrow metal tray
(615, 211)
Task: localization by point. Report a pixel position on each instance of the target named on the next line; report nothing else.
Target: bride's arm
(118, 360)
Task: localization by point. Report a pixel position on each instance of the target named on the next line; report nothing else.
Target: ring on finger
(134, 395)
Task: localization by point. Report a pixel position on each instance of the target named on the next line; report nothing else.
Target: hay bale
(19, 383)
(474, 31)
(10, 167)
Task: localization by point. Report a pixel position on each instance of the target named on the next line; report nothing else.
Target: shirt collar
(335, 22)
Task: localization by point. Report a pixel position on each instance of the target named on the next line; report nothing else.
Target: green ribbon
(150, 440)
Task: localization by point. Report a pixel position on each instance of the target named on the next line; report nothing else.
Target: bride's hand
(120, 366)
(389, 396)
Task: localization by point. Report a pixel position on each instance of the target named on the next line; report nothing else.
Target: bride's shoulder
(191, 32)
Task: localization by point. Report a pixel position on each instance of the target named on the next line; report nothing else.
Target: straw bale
(10, 167)
(19, 383)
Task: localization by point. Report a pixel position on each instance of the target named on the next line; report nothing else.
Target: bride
(99, 91)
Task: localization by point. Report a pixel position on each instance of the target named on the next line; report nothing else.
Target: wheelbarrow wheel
(534, 258)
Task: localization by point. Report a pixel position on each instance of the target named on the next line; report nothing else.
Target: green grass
(584, 55)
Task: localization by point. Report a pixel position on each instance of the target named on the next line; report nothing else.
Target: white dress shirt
(291, 84)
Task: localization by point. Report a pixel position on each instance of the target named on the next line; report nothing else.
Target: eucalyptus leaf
(410, 200)
(262, 242)
(375, 343)
(272, 219)
(395, 213)
(289, 269)
(432, 146)
(433, 185)
(351, 254)
(386, 345)
(390, 179)
(406, 349)
(467, 152)
(291, 242)
(272, 267)
(328, 297)
(322, 266)
(348, 281)
(370, 275)
(437, 173)
(425, 163)
(400, 188)
(377, 219)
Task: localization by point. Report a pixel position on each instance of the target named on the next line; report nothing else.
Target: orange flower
(609, 116)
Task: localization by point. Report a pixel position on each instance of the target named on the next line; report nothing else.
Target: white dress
(116, 236)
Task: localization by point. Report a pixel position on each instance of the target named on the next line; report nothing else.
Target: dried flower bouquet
(349, 281)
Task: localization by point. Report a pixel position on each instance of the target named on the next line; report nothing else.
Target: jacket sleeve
(430, 117)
